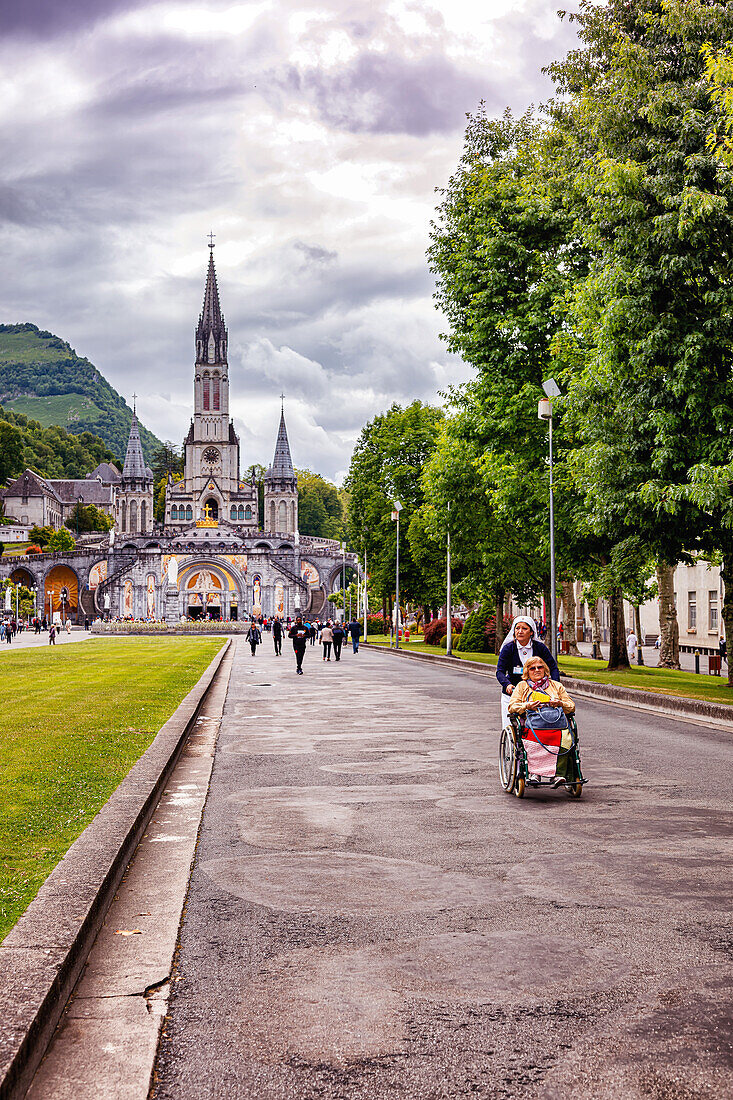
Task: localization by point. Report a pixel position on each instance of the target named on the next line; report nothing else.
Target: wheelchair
(514, 773)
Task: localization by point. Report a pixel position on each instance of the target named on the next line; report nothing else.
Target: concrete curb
(668, 706)
(43, 956)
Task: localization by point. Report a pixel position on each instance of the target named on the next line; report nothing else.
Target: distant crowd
(330, 635)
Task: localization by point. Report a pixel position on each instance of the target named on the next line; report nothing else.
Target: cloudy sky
(308, 136)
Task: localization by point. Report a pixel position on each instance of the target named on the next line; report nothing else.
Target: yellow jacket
(556, 695)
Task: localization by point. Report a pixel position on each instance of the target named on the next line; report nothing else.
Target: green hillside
(43, 378)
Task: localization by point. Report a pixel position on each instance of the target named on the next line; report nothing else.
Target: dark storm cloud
(386, 93)
(48, 18)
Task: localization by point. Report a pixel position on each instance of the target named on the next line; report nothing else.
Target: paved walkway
(30, 640)
(370, 916)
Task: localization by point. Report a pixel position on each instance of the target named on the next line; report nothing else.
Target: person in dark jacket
(254, 637)
(338, 639)
(299, 634)
(277, 637)
(355, 632)
(521, 643)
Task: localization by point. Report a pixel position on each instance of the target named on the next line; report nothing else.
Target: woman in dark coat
(521, 643)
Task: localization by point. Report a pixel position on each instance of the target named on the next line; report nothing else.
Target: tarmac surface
(370, 916)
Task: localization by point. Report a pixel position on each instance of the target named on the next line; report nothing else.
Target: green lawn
(714, 689)
(75, 720)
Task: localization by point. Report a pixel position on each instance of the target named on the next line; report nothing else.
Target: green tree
(40, 535)
(320, 511)
(11, 451)
(387, 465)
(87, 517)
(653, 318)
(60, 540)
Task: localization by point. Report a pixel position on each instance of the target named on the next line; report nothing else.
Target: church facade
(209, 558)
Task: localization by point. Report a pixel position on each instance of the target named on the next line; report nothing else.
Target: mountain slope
(43, 378)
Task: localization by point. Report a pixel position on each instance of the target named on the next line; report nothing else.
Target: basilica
(209, 557)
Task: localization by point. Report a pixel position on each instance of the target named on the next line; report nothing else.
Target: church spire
(134, 460)
(282, 463)
(211, 333)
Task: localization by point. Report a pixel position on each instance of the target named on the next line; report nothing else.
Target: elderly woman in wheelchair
(540, 746)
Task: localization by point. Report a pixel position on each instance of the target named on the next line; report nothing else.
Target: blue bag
(546, 717)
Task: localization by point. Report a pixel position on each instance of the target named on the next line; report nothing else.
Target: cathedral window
(189, 512)
(233, 512)
(174, 512)
(143, 518)
(207, 385)
(272, 515)
(292, 515)
(133, 517)
(215, 393)
(212, 349)
(282, 516)
(248, 513)
(123, 520)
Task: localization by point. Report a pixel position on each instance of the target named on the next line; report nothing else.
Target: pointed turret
(282, 463)
(211, 329)
(134, 467)
(134, 504)
(281, 487)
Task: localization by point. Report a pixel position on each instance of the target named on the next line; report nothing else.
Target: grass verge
(75, 720)
(663, 681)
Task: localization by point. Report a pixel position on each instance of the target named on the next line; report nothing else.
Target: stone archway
(61, 592)
(211, 588)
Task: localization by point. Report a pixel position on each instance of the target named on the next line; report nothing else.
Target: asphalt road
(370, 916)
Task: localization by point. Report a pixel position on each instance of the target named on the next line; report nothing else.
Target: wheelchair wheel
(519, 786)
(576, 790)
(507, 758)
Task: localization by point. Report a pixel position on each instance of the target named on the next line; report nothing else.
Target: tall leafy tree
(654, 316)
(387, 465)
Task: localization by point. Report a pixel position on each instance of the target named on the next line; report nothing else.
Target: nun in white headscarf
(521, 643)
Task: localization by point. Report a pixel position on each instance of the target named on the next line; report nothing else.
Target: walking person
(723, 649)
(632, 643)
(8, 633)
(355, 632)
(52, 634)
(337, 632)
(277, 637)
(326, 641)
(254, 637)
(299, 634)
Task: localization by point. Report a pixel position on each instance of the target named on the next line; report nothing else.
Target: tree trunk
(595, 620)
(568, 607)
(499, 594)
(618, 656)
(637, 629)
(669, 631)
(726, 574)
(384, 609)
(425, 615)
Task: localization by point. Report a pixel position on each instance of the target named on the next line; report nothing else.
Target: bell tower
(212, 445)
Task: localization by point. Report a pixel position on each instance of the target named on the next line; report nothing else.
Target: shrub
(472, 639)
(33, 550)
(376, 625)
(438, 629)
(490, 632)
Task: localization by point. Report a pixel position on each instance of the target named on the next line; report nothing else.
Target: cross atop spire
(134, 402)
(211, 240)
(282, 463)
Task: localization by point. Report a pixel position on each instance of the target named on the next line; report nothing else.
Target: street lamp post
(343, 580)
(396, 516)
(448, 597)
(544, 412)
(365, 596)
(78, 510)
